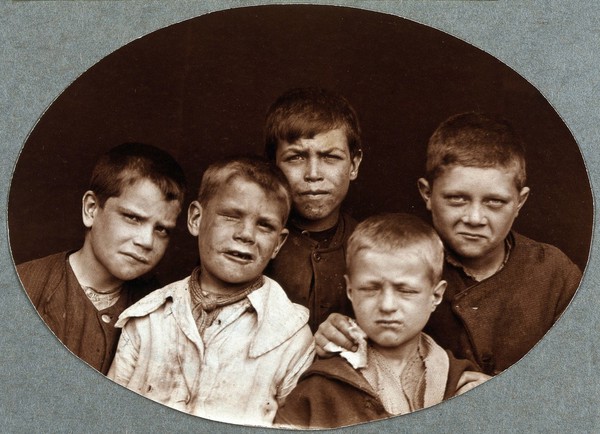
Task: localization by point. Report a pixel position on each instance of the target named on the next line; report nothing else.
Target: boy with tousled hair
(224, 343)
(394, 283)
(504, 291)
(313, 136)
(135, 195)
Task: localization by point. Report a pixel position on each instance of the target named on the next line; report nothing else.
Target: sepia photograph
(299, 217)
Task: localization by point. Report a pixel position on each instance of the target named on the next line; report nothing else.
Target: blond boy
(394, 283)
(224, 343)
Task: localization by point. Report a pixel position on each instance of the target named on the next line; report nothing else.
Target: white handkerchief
(358, 358)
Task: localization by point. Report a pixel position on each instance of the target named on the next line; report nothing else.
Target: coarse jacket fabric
(497, 321)
(61, 302)
(240, 371)
(331, 393)
(313, 276)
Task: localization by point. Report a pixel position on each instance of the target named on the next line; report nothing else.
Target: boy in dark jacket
(313, 136)
(394, 267)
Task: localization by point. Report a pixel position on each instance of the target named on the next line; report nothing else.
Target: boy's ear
(348, 287)
(282, 237)
(425, 191)
(355, 164)
(89, 208)
(523, 195)
(194, 217)
(438, 294)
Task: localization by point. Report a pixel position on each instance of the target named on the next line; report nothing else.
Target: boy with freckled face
(394, 283)
(313, 136)
(224, 343)
(505, 290)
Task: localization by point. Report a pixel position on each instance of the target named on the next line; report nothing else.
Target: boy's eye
(132, 218)
(456, 200)
(266, 226)
(163, 232)
(406, 291)
(368, 289)
(495, 203)
(332, 157)
(295, 157)
(229, 217)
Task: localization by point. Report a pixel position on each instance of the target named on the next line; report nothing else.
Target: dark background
(200, 89)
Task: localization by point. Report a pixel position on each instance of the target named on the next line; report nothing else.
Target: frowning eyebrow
(144, 217)
(133, 212)
(299, 149)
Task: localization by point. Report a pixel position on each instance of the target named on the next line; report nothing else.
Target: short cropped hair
(392, 231)
(128, 163)
(250, 168)
(475, 140)
(306, 112)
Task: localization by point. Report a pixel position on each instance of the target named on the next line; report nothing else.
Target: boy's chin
(466, 251)
(388, 342)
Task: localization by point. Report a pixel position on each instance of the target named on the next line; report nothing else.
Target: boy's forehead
(415, 250)
(132, 184)
(339, 133)
(235, 183)
(135, 183)
(235, 186)
(455, 172)
(400, 265)
(145, 198)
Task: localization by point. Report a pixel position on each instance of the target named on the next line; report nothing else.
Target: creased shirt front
(241, 371)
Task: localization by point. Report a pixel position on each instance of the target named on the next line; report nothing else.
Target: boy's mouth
(388, 323)
(313, 193)
(244, 256)
(137, 258)
(471, 236)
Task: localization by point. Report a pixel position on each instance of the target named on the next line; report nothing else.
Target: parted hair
(304, 113)
(393, 231)
(475, 140)
(250, 168)
(128, 163)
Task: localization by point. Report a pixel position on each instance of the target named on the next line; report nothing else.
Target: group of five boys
(234, 340)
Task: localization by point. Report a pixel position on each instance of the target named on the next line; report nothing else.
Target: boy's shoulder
(528, 255)
(527, 244)
(338, 369)
(271, 293)
(44, 265)
(43, 275)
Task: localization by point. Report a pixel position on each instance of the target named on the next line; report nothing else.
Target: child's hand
(335, 329)
(469, 380)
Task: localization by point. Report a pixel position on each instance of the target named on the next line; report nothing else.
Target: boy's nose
(145, 237)
(387, 301)
(474, 215)
(244, 232)
(313, 170)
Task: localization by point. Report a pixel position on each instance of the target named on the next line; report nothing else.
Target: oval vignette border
(192, 184)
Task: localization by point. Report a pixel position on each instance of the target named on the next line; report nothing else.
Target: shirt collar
(277, 318)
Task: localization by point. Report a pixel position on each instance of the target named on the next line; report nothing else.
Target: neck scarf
(206, 306)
